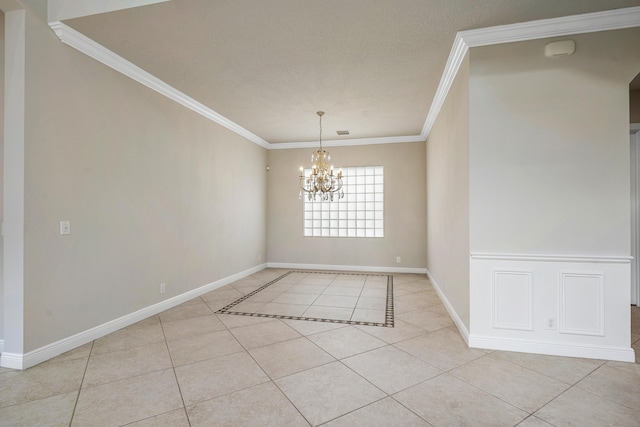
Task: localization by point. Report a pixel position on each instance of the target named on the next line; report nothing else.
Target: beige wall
(549, 146)
(405, 209)
(634, 106)
(448, 196)
(154, 192)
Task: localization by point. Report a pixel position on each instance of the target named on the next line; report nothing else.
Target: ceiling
(268, 65)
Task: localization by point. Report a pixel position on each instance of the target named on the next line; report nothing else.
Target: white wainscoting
(512, 300)
(551, 304)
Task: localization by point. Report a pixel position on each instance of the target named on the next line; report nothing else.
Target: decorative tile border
(388, 323)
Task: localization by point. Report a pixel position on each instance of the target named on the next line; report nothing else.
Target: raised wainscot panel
(581, 305)
(512, 300)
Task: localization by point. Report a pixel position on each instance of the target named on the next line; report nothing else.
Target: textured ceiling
(372, 65)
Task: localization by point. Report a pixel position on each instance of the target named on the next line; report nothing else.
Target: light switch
(65, 227)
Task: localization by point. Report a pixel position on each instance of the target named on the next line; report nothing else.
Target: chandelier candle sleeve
(320, 183)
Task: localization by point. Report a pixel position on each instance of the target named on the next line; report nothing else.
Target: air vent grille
(342, 132)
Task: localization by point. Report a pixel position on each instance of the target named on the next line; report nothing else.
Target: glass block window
(360, 213)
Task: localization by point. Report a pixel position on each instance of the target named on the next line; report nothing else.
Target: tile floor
(191, 367)
(351, 298)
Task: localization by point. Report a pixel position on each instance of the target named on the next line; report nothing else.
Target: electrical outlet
(65, 227)
(398, 260)
(162, 288)
(550, 322)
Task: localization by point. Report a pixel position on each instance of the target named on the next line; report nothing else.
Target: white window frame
(360, 213)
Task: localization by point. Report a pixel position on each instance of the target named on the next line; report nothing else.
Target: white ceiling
(268, 65)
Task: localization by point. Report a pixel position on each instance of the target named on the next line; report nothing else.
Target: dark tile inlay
(388, 312)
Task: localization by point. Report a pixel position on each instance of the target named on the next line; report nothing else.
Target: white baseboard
(359, 268)
(1, 346)
(32, 358)
(620, 354)
(452, 312)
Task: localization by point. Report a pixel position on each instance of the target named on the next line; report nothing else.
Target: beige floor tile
(514, 384)
(281, 286)
(415, 301)
(269, 273)
(615, 385)
(284, 309)
(327, 392)
(48, 412)
(631, 368)
(125, 401)
(401, 331)
(309, 328)
(288, 357)
(343, 301)
(294, 277)
(177, 418)
(247, 288)
(267, 295)
(364, 315)
(254, 336)
(318, 279)
(216, 377)
(233, 321)
(342, 290)
(569, 370)
(44, 380)
(444, 349)
(146, 332)
(117, 365)
(295, 298)
(373, 280)
(249, 306)
(203, 347)
(81, 352)
(429, 319)
(192, 308)
(532, 421)
(448, 401)
(192, 326)
(307, 289)
(262, 405)
(320, 312)
(372, 303)
(253, 280)
(580, 408)
(383, 413)
(390, 369)
(374, 292)
(349, 281)
(345, 342)
(222, 294)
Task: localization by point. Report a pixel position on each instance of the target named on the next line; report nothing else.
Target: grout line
(173, 368)
(75, 406)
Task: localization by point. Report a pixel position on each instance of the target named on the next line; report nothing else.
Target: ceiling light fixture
(320, 183)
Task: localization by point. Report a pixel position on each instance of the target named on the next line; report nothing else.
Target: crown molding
(555, 27)
(100, 53)
(347, 142)
(616, 19)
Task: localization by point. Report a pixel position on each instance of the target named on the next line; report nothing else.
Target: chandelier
(321, 183)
